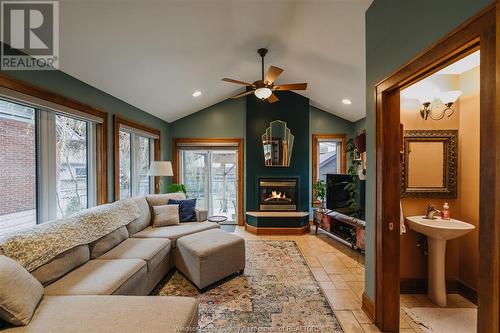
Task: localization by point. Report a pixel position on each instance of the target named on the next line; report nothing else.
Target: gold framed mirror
(430, 162)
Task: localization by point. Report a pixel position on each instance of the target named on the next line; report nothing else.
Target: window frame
(118, 123)
(316, 138)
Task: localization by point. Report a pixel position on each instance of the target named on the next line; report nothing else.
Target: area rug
(276, 293)
(444, 320)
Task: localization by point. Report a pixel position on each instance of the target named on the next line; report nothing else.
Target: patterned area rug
(277, 293)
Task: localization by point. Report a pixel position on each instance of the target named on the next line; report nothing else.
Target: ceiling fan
(265, 87)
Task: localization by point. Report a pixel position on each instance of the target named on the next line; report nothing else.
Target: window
(47, 160)
(135, 149)
(329, 155)
(212, 174)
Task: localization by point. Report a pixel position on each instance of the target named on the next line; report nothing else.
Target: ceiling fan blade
(291, 86)
(272, 98)
(272, 74)
(237, 81)
(243, 94)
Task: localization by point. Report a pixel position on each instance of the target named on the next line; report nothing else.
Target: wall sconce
(448, 98)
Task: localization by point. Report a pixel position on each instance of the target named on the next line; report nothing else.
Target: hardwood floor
(340, 272)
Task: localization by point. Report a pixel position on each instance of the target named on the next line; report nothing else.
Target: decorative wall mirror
(429, 167)
(277, 143)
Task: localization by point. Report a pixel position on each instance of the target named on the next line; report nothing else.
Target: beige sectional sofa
(131, 260)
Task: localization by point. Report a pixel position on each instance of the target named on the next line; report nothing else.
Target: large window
(135, 150)
(328, 155)
(212, 173)
(47, 163)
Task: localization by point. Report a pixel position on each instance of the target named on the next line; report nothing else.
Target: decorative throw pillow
(20, 292)
(187, 211)
(165, 215)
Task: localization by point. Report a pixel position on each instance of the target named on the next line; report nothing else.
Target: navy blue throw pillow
(187, 212)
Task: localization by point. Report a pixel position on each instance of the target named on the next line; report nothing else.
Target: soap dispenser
(446, 211)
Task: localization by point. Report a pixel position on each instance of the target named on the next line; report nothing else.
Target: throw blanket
(36, 246)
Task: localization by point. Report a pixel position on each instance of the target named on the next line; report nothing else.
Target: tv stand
(346, 229)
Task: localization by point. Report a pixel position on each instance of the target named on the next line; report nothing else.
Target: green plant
(320, 189)
(352, 185)
(172, 188)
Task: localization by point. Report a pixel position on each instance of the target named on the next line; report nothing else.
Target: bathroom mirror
(429, 167)
(277, 144)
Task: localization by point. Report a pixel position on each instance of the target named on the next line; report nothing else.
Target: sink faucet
(431, 211)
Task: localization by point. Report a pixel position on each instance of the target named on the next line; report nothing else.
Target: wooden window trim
(117, 123)
(342, 138)
(239, 144)
(11, 83)
(482, 30)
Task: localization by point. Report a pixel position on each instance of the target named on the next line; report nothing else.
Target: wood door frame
(342, 138)
(479, 31)
(22, 87)
(117, 122)
(241, 160)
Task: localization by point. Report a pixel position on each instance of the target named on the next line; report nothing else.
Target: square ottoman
(209, 256)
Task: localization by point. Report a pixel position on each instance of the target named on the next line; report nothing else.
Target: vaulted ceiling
(155, 54)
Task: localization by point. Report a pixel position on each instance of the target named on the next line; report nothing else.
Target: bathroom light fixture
(346, 101)
(197, 93)
(263, 93)
(448, 98)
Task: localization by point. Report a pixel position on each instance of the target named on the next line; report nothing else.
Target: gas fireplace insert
(278, 194)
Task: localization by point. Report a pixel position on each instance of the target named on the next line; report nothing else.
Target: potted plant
(352, 185)
(320, 191)
(172, 188)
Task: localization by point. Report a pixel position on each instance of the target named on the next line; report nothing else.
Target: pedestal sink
(438, 231)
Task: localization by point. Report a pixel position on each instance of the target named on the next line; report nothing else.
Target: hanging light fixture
(448, 98)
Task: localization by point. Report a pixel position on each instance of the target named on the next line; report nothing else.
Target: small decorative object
(277, 143)
(320, 190)
(160, 169)
(448, 98)
(173, 188)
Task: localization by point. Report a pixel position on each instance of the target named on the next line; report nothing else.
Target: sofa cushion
(151, 250)
(106, 243)
(97, 314)
(187, 209)
(165, 215)
(20, 292)
(162, 199)
(99, 277)
(142, 221)
(62, 264)
(176, 231)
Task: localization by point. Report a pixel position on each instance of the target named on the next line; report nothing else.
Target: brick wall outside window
(17, 166)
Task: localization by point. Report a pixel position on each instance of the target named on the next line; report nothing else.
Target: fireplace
(278, 194)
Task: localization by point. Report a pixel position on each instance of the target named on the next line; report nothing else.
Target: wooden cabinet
(346, 229)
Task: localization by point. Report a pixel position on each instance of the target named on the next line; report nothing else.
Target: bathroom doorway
(476, 34)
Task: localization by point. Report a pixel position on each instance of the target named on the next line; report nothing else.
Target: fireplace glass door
(210, 176)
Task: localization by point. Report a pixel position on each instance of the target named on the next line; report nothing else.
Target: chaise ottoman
(209, 256)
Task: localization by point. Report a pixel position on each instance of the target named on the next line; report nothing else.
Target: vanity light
(197, 93)
(346, 101)
(448, 98)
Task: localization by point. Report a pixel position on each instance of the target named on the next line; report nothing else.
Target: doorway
(478, 32)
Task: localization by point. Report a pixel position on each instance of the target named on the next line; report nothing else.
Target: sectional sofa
(88, 287)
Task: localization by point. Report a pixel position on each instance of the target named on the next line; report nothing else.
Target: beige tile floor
(340, 272)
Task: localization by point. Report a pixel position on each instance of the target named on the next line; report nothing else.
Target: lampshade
(450, 96)
(161, 168)
(263, 93)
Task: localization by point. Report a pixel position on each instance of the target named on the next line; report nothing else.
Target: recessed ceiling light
(346, 101)
(197, 93)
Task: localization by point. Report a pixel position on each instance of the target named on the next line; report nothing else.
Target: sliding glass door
(210, 176)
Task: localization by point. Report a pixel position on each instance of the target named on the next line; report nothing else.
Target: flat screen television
(336, 195)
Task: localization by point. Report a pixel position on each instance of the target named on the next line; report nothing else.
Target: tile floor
(341, 273)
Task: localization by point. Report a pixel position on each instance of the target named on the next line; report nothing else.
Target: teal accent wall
(68, 86)
(396, 31)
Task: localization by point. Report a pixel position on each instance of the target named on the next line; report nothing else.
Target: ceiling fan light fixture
(263, 93)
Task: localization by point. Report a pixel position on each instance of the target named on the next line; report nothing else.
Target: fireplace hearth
(278, 194)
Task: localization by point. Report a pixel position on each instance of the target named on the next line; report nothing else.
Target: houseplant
(352, 185)
(172, 188)
(319, 188)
